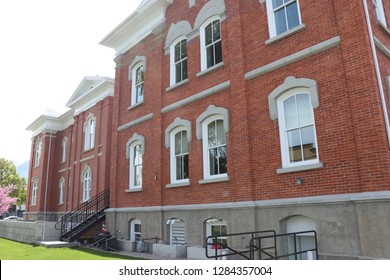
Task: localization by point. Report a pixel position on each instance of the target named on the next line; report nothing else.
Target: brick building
(71, 151)
(238, 116)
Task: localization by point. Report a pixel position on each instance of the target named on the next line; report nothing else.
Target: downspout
(47, 178)
(378, 74)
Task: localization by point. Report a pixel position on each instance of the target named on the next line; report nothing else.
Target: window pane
(184, 141)
(218, 52)
(186, 173)
(178, 72)
(213, 155)
(308, 143)
(220, 133)
(276, 3)
(177, 52)
(292, 15)
(184, 69)
(178, 143)
(280, 21)
(183, 49)
(304, 110)
(290, 113)
(138, 175)
(211, 134)
(222, 160)
(210, 56)
(294, 145)
(216, 30)
(208, 34)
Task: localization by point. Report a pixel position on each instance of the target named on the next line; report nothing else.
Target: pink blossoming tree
(5, 199)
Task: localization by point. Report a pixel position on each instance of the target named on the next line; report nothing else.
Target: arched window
(61, 187)
(177, 231)
(212, 126)
(211, 43)
(379, 12)
(297, 128)
(303, 239)
(283, 15)
(135, 230)
(134, 152)
(89, 133)
(178, 60)
(87, 183)
(218, 229)
(292, 104)
(177, 138)
(64, 149)
(38, 153)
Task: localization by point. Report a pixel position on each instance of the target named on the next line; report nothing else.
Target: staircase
(74, 223)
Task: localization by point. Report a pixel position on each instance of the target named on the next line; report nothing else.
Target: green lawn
(11, 250)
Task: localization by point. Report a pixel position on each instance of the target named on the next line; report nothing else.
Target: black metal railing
(75, 222)
(264, 245)
(217, 248)
(286, 246)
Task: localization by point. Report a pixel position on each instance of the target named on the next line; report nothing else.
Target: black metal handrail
(263, 250)
(72, 222)
(214, 245)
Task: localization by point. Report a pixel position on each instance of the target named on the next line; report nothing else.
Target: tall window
(135, 230)
(89, 133)
(211, 43)
(283, 15)
(34, 193)
(214, 141)
(38, 152)
(179, 155)
(64, 149)
(62, 191)
(137, 95)
(297, 129)
(136, 153)
(179, 61)
(87, 184)
(379, 11)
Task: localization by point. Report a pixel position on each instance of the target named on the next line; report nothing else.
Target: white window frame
(173, 80)
(173, 155)
(34, 192)
(134, 85)
(215, 222)
(38, 153)
(282, 129)
(87, 183)
(61, 187)
(203, 47)
(206, 148)
(135, 235)
(177, 231)
(89, 133)
(64, 149)
(379, 12)
(272, 19)
(133, 166)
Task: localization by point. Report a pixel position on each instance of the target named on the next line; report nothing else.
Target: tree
(5, 200)
(9, 176)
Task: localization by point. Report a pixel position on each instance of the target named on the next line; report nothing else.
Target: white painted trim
(135, 122)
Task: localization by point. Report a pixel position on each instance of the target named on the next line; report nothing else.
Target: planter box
(125, 245)
(196, 253)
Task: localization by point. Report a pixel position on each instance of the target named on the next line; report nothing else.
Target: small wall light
(299, 181)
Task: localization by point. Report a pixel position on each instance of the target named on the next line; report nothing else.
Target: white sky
(47, 47)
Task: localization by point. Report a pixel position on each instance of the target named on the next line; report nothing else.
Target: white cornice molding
(141, 23)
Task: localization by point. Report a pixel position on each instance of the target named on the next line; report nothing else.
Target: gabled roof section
(149, 15)
(51, 120)
(91, 90)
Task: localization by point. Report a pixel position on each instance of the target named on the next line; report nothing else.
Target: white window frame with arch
(89, 132)
(86, 181)
(134, 153)
(61, 186)
(135, 230)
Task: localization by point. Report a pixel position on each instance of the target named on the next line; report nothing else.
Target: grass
(12, 250)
